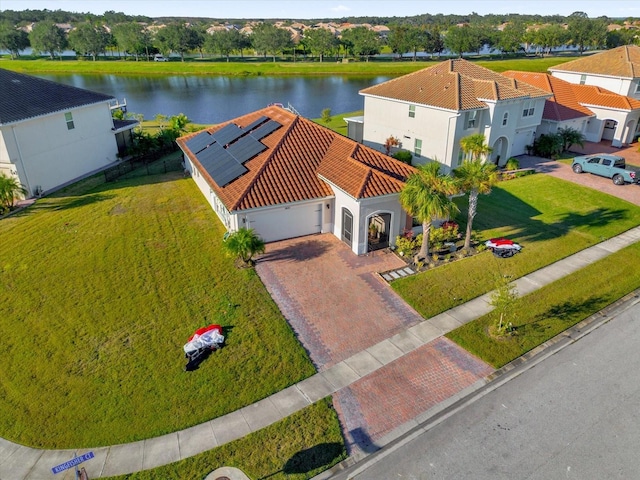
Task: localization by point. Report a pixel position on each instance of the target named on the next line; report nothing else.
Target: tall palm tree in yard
(474, 147)
(426, 197)
(474, 176)
(10, 190)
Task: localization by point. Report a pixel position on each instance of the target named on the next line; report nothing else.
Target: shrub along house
(285, 176)
(53, 134)
(432, 109)
(591, 110)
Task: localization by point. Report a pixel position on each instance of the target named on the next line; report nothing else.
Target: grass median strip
(98, 294)
(298, 447)
(551, 218)
(545, 313)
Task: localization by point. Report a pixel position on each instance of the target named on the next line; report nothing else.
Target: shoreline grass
(554, 308)
(261, 67)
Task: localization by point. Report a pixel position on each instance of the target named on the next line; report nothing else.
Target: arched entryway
(609, 129)
(499, 151)
(378, 231)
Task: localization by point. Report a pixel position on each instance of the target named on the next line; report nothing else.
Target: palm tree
(426, 197)
(474, 146)
(244, 244)
(475, 177)
(10, 190)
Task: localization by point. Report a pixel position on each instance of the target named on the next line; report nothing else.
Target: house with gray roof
(53, 134)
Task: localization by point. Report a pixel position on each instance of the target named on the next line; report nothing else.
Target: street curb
(359, 463)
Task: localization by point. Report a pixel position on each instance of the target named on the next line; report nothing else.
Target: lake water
(214, 99)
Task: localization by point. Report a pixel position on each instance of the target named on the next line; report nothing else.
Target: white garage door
(287, 222)
(520, 142)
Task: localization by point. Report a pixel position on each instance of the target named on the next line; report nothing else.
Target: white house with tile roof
(593, 111)
(617, 70)
(285, 176)
(432, 109)
(52, 134)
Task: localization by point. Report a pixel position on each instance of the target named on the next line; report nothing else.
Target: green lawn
(98, 293)
(549, 217)
(215, 66)
(297, 447)
(549, 311)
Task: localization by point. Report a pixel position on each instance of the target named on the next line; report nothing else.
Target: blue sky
(307, 9)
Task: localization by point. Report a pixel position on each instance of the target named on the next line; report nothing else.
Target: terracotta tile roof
(618, 62)
(570, 100)
(297, 155)
(453, 85)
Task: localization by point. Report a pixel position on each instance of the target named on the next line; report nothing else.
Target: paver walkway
(363, 374)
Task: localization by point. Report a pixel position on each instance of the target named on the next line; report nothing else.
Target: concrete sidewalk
(18, 462)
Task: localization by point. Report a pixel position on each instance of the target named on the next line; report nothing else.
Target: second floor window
(583, 79)
(471, 119)
(505, 119)
(528, 109)
(412, 111)
(69, 119)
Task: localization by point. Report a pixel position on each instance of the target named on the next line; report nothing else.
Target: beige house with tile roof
(617, 70)
(595, 112)
(286, 176)
(432, 109)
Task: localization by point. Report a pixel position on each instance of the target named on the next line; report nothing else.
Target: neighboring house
(593, 111)
(617, 70)
(285, 176)
(432, 109)
(52, 134)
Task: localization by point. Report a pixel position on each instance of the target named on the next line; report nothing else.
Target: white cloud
(340, 9)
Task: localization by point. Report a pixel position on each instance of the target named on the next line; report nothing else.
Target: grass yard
(99, 290)
(549, 311)
(297, 447)
(549, 217)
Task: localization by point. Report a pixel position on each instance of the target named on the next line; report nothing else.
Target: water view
(214, 99)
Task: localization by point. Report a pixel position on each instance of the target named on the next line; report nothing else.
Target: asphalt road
(575, 415)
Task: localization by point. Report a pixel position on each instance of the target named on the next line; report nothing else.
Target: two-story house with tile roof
(285, 176)
(617, 70)
(53, 134)
(432, 109)
(591, 110)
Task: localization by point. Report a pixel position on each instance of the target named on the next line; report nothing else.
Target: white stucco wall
(622, 86)
(47, 154)
(623, 133)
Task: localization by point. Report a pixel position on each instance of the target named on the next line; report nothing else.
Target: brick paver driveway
(628, 192)
(338, 306)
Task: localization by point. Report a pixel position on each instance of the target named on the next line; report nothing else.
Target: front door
(347, 226)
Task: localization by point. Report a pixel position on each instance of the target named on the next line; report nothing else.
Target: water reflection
(215, 99)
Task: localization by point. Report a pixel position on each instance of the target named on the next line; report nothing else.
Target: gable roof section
(297, 154)
(618, 62)
(570, 100)
(453, 85)
(25, 96)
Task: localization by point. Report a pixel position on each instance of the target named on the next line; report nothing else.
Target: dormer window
(412, 111)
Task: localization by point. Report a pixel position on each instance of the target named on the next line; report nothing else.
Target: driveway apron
(338, 305)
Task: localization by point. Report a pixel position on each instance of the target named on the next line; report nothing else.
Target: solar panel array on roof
(253, 125)
(228, 134)
(245, 148)
(200, 142)
(222, 167)
(266, 129)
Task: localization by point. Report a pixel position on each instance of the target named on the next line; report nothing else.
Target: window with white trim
(470, 119)
(583, 79)
(505, 119)
(529, 108)
(412, 111)
(69, 119)
(417, 147)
